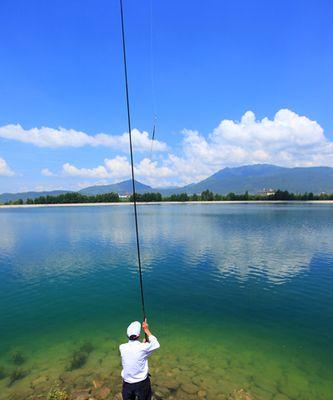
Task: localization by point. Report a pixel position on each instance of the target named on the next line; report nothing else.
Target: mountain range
(5, 197)
(251, 178)
(121, 188)
(255, 178)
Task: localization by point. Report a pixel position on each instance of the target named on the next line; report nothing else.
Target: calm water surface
(240, 296)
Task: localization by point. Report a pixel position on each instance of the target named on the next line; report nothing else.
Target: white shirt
(134, 357)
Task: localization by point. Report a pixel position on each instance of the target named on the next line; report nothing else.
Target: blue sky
(236, 82)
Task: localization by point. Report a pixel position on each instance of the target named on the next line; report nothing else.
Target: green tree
(231, 196)
(207, 195)
(18, 202)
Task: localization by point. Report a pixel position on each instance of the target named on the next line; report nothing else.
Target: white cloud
(5, 170)
(287, 139)
(47, 172)
(98, 172)
(287, 130)
(119, 168)
(61, 137)
(153, 174)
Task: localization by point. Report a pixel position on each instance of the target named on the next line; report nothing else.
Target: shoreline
(3, 206)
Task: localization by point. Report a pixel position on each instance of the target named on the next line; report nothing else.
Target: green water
(240, 297)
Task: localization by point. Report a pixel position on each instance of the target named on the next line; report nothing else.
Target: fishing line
(132, 159)
(152, 139)
(152, 80)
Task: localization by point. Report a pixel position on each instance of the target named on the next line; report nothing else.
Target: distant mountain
(255, 178)
(121, 188)
(251, 178)
(5, 197)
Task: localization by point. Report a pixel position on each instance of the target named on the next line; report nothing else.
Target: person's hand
(146, 330)
(145, 325)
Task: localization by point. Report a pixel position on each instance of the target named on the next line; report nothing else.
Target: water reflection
(7, 235)
(259, 275)
(240, 240)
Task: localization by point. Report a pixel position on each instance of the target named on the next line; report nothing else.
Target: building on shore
(268, 192)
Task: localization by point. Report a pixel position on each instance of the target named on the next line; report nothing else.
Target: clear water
(240, 296)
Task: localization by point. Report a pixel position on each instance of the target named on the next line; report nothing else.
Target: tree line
(70, 198)
(206, 195)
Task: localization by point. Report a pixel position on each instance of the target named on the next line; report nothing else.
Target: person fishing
(134, 358)
(134, 354)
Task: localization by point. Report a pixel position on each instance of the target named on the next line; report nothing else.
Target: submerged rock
(86, 347)
(168, 383)
(78, 359)
(81, 394)
(97, 383)
(82, 381)
(197, 380)
(17, 357)
(161, 392)
(202, 394)
(241, 394)
(190, 388)
(103, 393)
(39, 381)
(3, 373)
(281, 396)
(157, 396)
(80, 356)
(221, 396)
(16, 375)
(58, 394)
(261, 393)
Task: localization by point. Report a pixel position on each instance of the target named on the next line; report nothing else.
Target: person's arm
(153, 343)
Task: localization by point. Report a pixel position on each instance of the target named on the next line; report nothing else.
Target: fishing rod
(152, 81)
(132, 161)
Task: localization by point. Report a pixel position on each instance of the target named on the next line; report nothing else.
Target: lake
(239, 295)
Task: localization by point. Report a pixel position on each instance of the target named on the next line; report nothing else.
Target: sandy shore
(170, 202)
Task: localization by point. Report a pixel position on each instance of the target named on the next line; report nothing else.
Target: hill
(5, 197)
(251, 178)
(255, 178)
(122, 188)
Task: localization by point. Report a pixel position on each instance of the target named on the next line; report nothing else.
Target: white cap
(134, 329)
